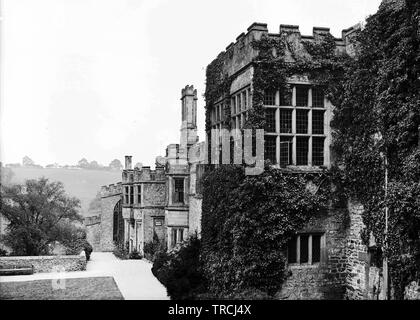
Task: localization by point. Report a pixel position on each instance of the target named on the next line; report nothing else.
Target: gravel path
(134, 278)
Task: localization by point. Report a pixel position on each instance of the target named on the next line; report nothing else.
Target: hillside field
(82, 184)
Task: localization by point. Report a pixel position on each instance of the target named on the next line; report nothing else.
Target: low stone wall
(46, 263)
(93, 236)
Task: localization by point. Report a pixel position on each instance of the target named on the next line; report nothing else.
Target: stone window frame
(179, 233)
(128, 193)
(178, 192)
(282, 132)
(270, 120)
(239, 106)
(131, 195)
(270, 154)
(310, 235)
(139, 194)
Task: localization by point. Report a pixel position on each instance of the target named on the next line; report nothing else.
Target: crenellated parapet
(143, 174)
(239, 54)
(189, 91)
(111, 190)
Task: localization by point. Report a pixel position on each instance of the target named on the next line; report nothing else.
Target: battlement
(111, 190)
(189, 91)
(240, 53)
(143, 174)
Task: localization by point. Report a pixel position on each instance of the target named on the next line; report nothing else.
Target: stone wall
(46, 263)
(93, 235)
(107, 221)
(324, 280)
(364, 280)
(149, 224)
(154, 194)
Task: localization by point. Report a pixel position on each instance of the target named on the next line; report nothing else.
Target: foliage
(180, 270)
(3, 252)
(121, 250)
(75, 240)
(151, 249)
(377, 115)
(246, 224)
(39, 212)
(135, 255)
(116, 164)
(83, 163)
(247, 221)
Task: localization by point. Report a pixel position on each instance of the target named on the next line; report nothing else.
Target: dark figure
(88, 250)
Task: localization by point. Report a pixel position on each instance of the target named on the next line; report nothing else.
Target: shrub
(180, 270)
(151, 249)
(121, 251)
(3, 252)
(75, 241)
(135, 255)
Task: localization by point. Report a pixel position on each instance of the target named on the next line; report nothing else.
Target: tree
(6, 175)
(94, 165)
(116, 165)
(83, 163)
(27, 162)
(38, 211)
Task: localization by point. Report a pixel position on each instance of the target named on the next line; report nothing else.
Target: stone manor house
(161, 203)
(326, 259)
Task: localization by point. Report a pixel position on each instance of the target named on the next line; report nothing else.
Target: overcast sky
(101, 79)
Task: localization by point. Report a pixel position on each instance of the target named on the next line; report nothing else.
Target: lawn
(96, 288)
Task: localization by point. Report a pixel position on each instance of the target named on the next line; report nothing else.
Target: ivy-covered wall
(326, 280)
(372, 78)
(275, 59)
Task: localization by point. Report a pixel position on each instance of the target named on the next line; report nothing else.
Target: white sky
(101, 79)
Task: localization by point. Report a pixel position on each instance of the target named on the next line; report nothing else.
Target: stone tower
(189, 118)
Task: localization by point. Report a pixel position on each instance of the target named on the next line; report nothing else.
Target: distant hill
(82, 184)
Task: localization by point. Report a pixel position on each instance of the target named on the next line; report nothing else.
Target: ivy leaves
(381, 98)
(246, 223)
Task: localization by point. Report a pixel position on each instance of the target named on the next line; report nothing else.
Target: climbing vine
(377, 117)
(248, 220)
(246, 224)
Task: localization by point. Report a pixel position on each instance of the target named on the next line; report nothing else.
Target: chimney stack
(128, 162)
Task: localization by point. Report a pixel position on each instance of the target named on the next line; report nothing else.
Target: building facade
(162, 204)
(327, 258)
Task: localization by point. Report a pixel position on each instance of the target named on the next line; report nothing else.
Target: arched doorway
(118, 226)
